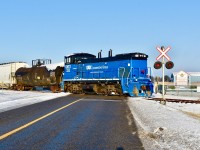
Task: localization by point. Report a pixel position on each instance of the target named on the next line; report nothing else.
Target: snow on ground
(172, 126)
(15, 99)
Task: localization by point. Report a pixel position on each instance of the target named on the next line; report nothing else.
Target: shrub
(193, 87)
(171, 87)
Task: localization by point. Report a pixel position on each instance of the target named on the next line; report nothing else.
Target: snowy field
(173, 126)
(15, 99)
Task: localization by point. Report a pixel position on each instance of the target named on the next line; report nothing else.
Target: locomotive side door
(135, 72)
(79, 72)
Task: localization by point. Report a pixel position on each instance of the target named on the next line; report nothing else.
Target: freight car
(41, 74)
(7, 73)
(123, 74)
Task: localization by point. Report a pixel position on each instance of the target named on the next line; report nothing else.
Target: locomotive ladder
(12, 73)
(121, 74)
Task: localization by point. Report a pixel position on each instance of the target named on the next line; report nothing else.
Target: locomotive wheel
(65, 88)
(53, 88)
(104, 91)
(54, 91)
(59, 89)
(22, 88)
(70, 89)
(18, 87)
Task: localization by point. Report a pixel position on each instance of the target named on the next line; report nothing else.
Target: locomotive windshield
(77, 58)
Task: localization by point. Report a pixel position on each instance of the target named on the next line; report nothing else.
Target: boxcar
(7, 73)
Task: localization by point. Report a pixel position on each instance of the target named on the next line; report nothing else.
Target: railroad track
(176, 100)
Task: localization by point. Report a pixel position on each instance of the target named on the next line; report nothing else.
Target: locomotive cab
(77, 58)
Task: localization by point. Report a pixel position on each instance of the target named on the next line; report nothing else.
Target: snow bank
(15, 99)
(170, 126)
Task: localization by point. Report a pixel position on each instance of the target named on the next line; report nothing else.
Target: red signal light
(157, 65)
(169, 65)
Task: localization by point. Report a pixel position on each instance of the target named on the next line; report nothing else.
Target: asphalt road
(91, 123)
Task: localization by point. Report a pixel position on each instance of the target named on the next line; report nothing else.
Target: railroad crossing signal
(157, 65)
(169, 65)
(163, 52)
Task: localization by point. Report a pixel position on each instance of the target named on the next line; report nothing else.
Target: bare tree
(158, 79)
(167, 78)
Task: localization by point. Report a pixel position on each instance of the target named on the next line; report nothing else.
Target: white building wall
(7, 73)
(181, 78)
(186, 78)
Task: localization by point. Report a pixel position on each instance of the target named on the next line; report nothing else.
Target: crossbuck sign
(163, 53)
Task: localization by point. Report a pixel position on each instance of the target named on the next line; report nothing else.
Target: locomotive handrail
(149, 71)
(123, 72)
(129, 75)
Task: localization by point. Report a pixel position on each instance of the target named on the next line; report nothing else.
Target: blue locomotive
(123, 74)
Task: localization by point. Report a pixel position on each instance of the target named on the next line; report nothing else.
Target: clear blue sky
(32, 29)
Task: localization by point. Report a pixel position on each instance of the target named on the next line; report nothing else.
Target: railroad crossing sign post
(168, 65)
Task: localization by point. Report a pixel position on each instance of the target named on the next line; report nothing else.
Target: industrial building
(182, 78)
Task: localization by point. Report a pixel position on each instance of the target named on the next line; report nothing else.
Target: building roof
(175, 73)
(189, 73)
(194, 73)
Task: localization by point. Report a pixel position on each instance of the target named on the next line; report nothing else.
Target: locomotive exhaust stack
(99, 54)
(110, 53)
